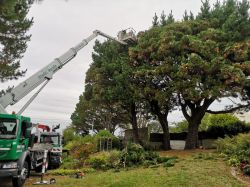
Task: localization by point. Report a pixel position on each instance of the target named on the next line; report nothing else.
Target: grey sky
(59, 25)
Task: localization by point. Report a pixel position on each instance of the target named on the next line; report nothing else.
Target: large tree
(108, 83)
(195, 57)
(14, 25)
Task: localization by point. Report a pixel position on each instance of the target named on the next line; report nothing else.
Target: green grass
(188, 171)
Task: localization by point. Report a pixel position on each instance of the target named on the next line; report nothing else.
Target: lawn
(192, 169)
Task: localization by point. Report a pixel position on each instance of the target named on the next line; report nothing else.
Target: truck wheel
(19, 181)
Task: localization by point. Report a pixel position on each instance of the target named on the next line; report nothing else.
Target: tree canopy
(14, 25)
(198, 59)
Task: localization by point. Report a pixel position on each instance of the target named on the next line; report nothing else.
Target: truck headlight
(9, 165)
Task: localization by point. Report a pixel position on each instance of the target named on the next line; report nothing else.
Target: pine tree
(170, 18)
(191, 16)
(163, 20)
(204, 10)
(13, 38)
(185, 16)
(244, 21)
(155, 21)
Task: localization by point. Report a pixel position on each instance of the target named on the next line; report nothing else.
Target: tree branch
(183, 108)
(229, 110)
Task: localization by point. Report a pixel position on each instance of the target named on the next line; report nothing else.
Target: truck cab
(15, 160)
(55, 154)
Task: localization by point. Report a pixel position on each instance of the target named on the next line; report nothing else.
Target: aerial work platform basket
(127, 35)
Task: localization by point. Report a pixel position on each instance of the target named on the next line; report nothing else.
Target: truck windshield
(50, 139)
(8, 128)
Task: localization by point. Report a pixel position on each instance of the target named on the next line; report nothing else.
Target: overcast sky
(61, 24)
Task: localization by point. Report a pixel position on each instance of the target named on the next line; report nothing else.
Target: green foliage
(70, 163)
(236, 149)
(218, 125)
(155, 21)
(104, 135)
(13, 37)
(82, 148)
(163, 20)
(179, 127)
(170, 18)
(196, 59)
(68, 135)
(133, 154)
(105, 160)
(108, 93)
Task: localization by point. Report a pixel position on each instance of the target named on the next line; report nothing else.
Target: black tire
(24, 173)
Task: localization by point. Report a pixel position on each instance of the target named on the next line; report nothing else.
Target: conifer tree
(163, 20)
(155, 21)
(185, 16)
(13, 37)
(170, 18)
(204, 10)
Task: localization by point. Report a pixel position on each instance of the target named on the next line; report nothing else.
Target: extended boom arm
(45, 74)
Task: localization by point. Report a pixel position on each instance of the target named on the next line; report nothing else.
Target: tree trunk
(165, 129)
(192, 136)
(136, 138)
(162, 117)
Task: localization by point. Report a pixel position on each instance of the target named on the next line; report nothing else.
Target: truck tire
(19, 181)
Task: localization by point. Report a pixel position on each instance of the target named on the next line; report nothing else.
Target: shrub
(237, 147)
(69, 163)
(83, 151)
(236, 151)
(133, 154)
(105, 160)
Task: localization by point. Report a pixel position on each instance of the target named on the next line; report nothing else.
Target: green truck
(17, 156)
(18, 151)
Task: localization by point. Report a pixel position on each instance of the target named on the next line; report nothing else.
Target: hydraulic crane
(17, 153)
(45, 74)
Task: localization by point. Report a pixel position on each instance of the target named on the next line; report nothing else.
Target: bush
(133, 154)
(236, 150)
(105, 160)
(70, 163)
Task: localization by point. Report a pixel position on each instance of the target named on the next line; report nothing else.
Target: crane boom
(46, 73)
